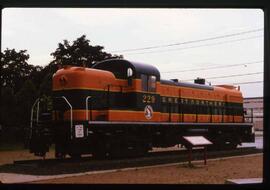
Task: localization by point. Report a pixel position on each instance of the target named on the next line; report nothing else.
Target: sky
(224, 46)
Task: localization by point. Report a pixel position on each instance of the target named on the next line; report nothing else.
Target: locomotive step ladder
(40, 135)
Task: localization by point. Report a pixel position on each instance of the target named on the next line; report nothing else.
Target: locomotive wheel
(116, 153)
(75, 155)
(60, 155)
(100, 151)
(223, 146)
(136, 150)
(41, 154)
(141, 149)
(230, 145)
(99, 154)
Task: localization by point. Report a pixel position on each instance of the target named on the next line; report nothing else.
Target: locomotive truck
(121, 108)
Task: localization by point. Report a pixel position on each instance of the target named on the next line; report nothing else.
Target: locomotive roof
(187, 84)
(122, 65)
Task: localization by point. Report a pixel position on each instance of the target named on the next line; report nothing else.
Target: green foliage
(46, 85)
(80, 53)
(15, 69)
(22, 83)
(25, 99)
(8, 103)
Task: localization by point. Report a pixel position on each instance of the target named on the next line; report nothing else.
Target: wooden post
(205, 156)
(189, 156)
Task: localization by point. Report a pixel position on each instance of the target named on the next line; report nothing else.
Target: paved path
(244, 181)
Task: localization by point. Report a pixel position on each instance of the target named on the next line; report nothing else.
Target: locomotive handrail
(222, 112)
(196, 109)
(38, 110)
(211, 112)
(251, 116)
(86, 107)
(71, 115)
(32, 113)
(170, 112)
(251, 121)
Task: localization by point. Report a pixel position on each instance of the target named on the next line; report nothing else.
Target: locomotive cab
(138, 99)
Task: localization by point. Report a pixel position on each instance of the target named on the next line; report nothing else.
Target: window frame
(148, 83)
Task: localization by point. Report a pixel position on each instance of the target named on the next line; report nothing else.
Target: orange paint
(87, 78)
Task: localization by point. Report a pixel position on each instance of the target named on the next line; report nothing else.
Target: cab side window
(144, 82)
(148, 83)
(152, 84)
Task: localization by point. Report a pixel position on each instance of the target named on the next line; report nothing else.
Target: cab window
(151, 83)
(144, 82)
(148, 83)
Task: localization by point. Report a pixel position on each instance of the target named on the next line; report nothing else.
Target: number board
(197, 140)
(148, 99)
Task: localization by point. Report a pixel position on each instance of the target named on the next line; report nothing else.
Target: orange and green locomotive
(119, 108)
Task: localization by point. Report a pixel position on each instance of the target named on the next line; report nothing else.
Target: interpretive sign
(197, 140)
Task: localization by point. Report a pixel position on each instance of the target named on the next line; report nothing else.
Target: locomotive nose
(63, 80)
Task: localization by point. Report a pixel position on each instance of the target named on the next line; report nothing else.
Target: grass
(16, 146)
(11, 146)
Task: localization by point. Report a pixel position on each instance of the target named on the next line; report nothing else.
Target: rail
(32, 115)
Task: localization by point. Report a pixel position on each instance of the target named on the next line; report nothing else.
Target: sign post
(196, 141)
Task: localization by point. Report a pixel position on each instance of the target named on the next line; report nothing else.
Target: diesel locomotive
(120, 108)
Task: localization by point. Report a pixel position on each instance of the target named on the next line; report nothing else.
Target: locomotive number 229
(148, 99)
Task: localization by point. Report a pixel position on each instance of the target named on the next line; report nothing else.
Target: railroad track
(53, 166)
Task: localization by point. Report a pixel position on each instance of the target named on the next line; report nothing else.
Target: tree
(8, 104)
(8, 116)
(14, 72)
(45, 87)
(21, 83)
(24, 101)
(15, 69)
(80, 53)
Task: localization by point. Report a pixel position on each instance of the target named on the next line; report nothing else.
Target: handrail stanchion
(38, 110)
(243, 116)
(222, 112)
(251, 115)
(31, 119)
(196, 113)
(86, 101)
(71, 115)
(211, 110)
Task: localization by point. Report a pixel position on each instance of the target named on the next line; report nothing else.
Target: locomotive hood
(81, 78)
